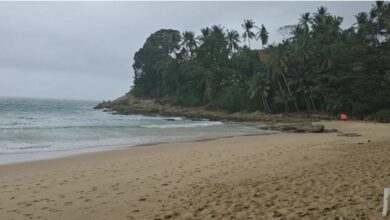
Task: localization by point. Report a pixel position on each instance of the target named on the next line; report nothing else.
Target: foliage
(318, 67)
(248, 33)
(234, 98)
(383, 116)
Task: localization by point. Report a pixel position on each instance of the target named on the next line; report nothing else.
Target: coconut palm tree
(304, 22)
(262, 34)
(361, 19)
(278, 67)
(248, 34)
(377, 13)
(233, 38)
(218, 30)
(319, 19)
(189, 42)
(365, 27)
(205, 33)
(322, 11)
(261, 86)
(380, 13)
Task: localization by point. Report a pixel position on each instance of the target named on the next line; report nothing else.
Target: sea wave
(66, 127)
(24, 147)
(36, 126)
(190, 125)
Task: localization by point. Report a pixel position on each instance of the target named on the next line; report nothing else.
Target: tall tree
(260, 86)
(157, 51)
(248, 33)
(304, 22)
(278, 66)
(262, 34)
(380, 13)
(233, 38)
(205, 32)
(189, 43)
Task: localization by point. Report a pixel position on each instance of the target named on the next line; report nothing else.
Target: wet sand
(278, 176)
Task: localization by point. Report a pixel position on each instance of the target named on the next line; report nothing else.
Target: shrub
(234, 99)
(383, 116)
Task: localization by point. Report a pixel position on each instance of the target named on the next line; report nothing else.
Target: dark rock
(349, 135)
(300, 128)
(132, 105)
(314, 128)
(330, 130)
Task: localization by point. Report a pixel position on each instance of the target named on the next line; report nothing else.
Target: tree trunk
(307, 103)
(265, 104)
(313, 103)
(321, 104)
(290, 93)
(286, 108)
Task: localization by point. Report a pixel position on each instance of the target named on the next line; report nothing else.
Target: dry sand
(279, 176)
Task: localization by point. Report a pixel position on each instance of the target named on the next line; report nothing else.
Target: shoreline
(9, 159)
(284, 175)
(70, 154)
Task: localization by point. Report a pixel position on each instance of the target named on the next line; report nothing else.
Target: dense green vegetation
(383, 116)
(318, 68)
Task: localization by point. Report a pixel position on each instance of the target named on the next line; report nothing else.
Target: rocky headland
(291, 122)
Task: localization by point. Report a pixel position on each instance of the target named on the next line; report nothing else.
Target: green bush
(383, 116)
(233, 99)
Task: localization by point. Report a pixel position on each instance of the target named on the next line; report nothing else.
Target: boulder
(296, 127)
(349, 135)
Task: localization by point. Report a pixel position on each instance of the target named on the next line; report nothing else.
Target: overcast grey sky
(84, 50)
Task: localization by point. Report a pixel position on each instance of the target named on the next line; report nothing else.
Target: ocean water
(32, 129)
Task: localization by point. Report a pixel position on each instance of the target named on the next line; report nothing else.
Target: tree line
(319, 67)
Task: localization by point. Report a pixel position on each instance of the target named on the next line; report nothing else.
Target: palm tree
(261, 86)
(364, 26)
(233, 38)
(361, 19)
(319, 18)
(218, 30)
(248, 34)
(304, 21)
(380, 14)
(277, 64)
(272, 67)
(377, 12)
(189, 42)
(322, 11)
(205, 33)
(262, 34)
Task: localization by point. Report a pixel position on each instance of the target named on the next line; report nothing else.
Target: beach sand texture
(278, 176)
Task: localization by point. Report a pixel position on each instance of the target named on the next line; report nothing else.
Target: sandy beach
(278, 176)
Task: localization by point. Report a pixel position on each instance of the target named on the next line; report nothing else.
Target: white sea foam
(190, 125)
(33, 126)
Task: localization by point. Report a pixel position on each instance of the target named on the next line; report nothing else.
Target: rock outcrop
(302, 127)
(281, 122)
